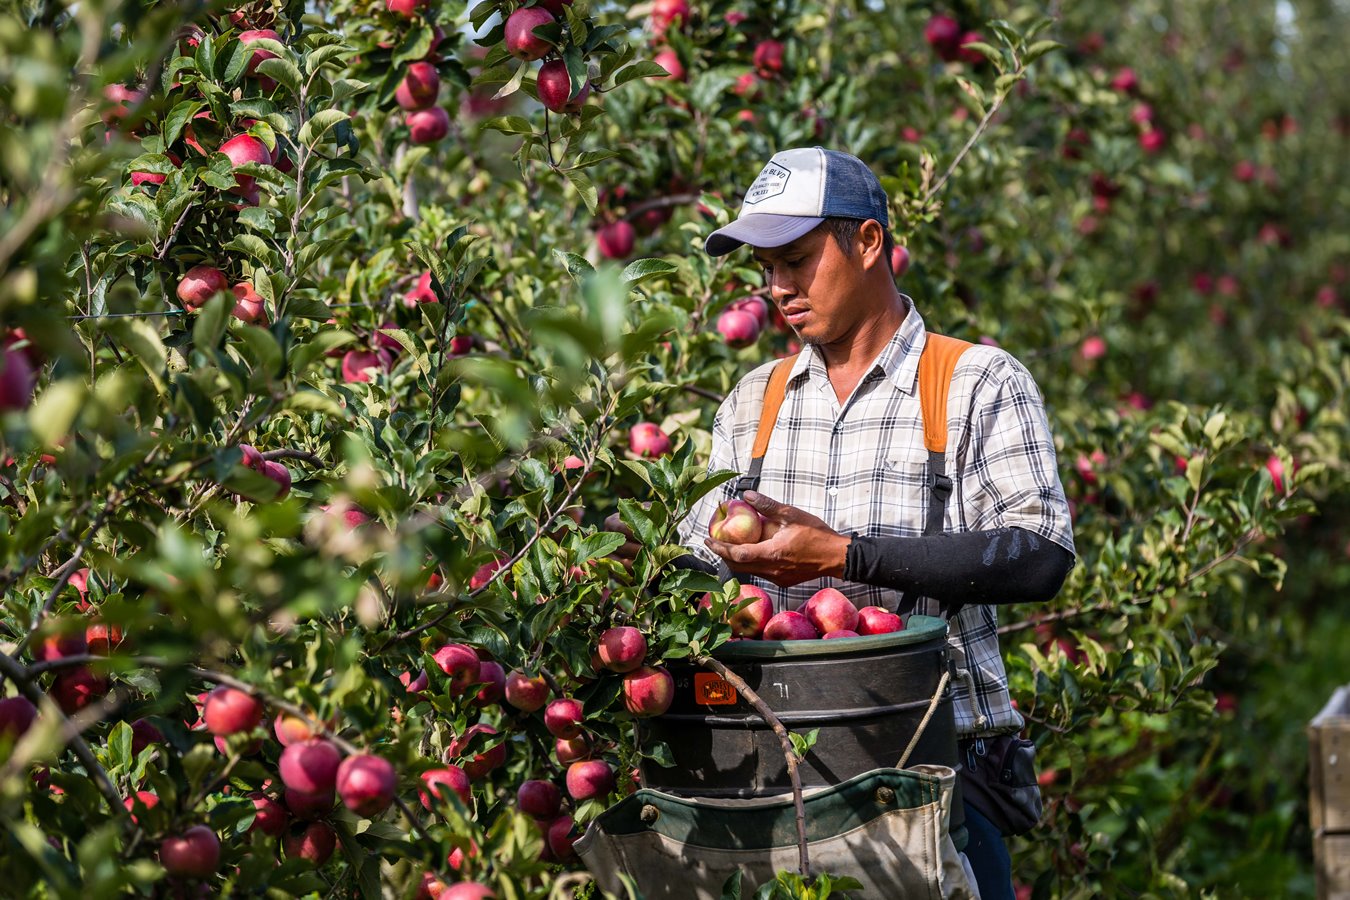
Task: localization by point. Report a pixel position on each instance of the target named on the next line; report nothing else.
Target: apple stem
(767, 714)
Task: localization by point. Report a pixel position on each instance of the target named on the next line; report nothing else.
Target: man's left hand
(797, 546)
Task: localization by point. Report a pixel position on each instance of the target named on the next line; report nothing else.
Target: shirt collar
(898, 360)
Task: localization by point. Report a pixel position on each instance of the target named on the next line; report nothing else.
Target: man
(846, 466)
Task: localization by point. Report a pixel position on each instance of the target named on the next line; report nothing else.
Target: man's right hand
(628, 551)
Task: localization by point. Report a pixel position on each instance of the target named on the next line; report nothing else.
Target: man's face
(816, 286)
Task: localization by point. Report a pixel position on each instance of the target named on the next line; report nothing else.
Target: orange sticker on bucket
(713, 690)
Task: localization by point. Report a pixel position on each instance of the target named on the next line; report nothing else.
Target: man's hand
(797, 547)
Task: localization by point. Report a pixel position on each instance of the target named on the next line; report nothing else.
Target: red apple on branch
(310, 767)
(314, 845)
(441, 782)
(461, 663)
(228, 710)
(199, 284)
(17, 715)
(483, 761)
(540, 799)
(195, 853)
(427, 126)
(525, 693)
(366, 784)
(648, 440)
(622, 649)
(563, 718)
(588, 779)
(420, 87)
(648, 691)
(521, 42)
(616, 239)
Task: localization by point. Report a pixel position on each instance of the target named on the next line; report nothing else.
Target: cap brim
(759, 230)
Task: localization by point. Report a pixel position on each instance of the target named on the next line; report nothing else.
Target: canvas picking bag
(888, 828)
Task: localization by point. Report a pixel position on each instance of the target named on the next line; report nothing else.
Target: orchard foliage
(389, 411)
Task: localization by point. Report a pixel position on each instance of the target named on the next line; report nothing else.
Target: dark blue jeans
(988, 856)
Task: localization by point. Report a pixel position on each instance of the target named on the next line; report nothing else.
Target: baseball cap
(797, 191)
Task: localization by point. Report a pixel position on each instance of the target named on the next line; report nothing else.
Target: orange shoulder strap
(773, 401)
(936, 365)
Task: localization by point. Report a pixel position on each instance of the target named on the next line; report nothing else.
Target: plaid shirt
(861, 467)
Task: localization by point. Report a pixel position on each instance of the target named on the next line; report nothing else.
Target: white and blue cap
(797, 191)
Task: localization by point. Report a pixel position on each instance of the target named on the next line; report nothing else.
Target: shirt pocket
(900, 501)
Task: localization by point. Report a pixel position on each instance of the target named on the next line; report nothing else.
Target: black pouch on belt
(999, 780)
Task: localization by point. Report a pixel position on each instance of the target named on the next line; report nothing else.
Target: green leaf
(509, 125)
(319, 125)
(178, 117)
(55, 411)
(575, 264)
(643, 269)
(209, 327)
(282, 71)
(140, 337)
(641, 69)
(584, 187)
(1039, 49)
(513, 85)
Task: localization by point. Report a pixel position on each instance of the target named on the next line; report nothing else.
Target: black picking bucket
(866, 695)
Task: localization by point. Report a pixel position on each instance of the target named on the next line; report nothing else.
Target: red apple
(525, 693)
(520, 39)
(753, 613)
(243, 149)
(366, 784)
(1275, 466)
(756, 307)
(559, 838)
(493, 679)
(563, 718)
(101, 638)
(1152, 141)
(291, 729)
(74, 689)
(899, 261)
(790, 626)
(461, 663)
(195, 853)
(310, 767)
(269, 816)
(309, 806)
(615, 240)
(140, 178)
(427, 126)
(669, 60)
(648, 691)
(468, 890)
(423, 293)
(146, 800)
(622, 649)
(1125, 81)
(877, 620)
(143, 734)
(61, 645)
(260, 55)
(199, 284)
(17, 715)
(363, 365)
(540, 799)
(228, 710)
(736, 522)
(943, 34)
(839, 633)
(647, 439)
(17, 380)
(738, 328)
(315, 844)
(280, 474)
(483, 761)
(569, 750)
(1093, 348)
(554, 85)
(589, 778)
(768, 58)
(829, 610)
(419, 683)
(408, 8)
(484, 573)
(449, 778)
(666, 13)
(420, 87)
(249, 306)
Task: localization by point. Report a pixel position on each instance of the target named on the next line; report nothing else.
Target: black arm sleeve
(1002, 565)
(691, 561)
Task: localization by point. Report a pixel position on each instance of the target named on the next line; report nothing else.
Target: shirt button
(834, 492)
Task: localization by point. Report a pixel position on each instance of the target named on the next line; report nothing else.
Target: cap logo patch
(770, 183)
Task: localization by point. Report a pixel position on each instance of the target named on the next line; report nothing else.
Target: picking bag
(888, 828)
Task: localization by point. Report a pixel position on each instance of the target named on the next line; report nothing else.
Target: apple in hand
(790, 626)
(876, 620)
(736, 522)
(829, 610)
